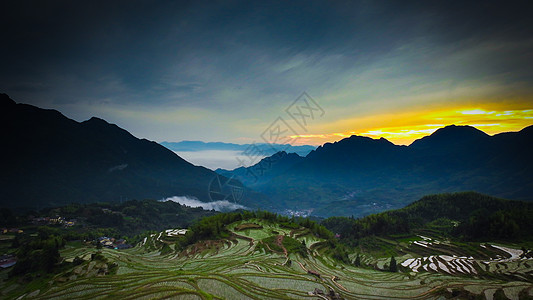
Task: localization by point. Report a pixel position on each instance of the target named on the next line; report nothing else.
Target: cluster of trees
(214, 227)
(513, 225)
(468, 215)
(40, 254)
(130, 218)
(338, 251)
(294, 246)
(351, 230)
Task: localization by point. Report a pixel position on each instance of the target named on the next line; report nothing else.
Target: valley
(213, 150)
(264, 256)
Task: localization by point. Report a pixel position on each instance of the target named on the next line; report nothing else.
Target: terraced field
(233, 269)
(485, 260)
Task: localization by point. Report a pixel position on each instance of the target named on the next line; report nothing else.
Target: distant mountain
(451, 137)
(264, 170)
(50, 159)
(263, 148)
(359, 175)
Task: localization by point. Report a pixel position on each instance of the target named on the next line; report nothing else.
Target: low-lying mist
(214, 159)
(222, 206)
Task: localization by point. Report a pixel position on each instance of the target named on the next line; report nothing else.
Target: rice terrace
(269, 259)
(273, 149)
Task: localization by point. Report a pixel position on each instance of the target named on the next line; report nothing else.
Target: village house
(111, 243)
(53, 221)
(11, 230)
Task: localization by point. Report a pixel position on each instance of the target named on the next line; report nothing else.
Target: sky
(237, 71)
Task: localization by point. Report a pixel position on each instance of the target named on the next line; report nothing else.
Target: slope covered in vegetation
(467, 216)
(259, 258)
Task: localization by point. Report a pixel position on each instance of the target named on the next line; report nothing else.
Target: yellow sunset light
(404, 128)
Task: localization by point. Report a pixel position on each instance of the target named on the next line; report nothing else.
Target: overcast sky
(224, 71)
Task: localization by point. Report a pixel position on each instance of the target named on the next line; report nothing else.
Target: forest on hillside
(466, 216)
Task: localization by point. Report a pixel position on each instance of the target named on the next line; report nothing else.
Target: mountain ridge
(260, 148)
(53, 160)
(361, 175)
(265, 169)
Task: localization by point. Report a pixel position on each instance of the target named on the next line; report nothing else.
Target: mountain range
(266, 169)
(262, 148)
(360, 175)
(49, 159)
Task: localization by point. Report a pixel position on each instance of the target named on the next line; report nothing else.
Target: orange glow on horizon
(404, 128)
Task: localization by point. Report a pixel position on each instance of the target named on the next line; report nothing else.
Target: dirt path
(250, 263)
(338, 284)
(279, 242)
(251, 240)
(301, 265)
(332, 280)
(270, 248)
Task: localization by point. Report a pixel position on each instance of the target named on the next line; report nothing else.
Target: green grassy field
(236, 269)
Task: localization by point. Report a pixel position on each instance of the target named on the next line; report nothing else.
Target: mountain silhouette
(263, 148)
(49, 159)
(266, 169)
(360, 175)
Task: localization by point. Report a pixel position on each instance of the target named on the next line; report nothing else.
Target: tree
(392, 266)
(165, 249)
(49, 257)
(37, 255)
(357, 261)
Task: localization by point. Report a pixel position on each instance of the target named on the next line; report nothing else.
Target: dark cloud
(219, 54)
